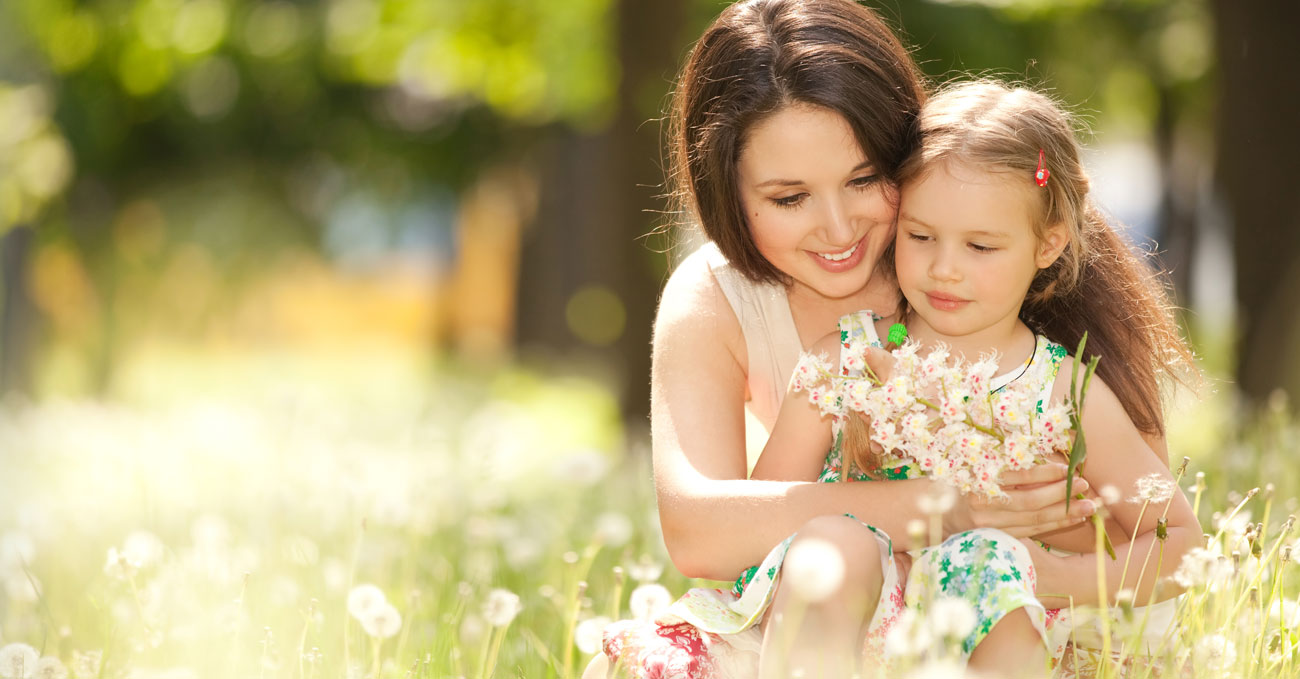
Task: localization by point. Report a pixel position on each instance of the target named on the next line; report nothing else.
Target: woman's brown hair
(1099, 284)
(759, 56)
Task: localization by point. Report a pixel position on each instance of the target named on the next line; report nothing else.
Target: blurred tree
(1258, 168)
(587, 271)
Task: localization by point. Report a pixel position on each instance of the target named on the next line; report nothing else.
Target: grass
(242, 517)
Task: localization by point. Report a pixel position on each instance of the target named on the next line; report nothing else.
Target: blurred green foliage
(146, 139)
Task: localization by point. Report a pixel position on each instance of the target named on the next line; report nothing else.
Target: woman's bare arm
(715, 521)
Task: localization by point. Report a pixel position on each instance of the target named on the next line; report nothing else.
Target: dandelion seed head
(472, 629)
(18, 661)
(1110, 495)
(582, 468)
(590, 634)
(613, 529)
(1201, 567)
(85, 664)
(649, 600)
(1215, 653)
(937, 499)
(50, 667)
(814, 568)
(501, 607)
(142, 549)
(382, 622)
(1154, 488)
(646, 570)
(952, 618)
(364, 600)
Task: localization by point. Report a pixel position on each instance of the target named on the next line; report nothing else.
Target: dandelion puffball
(649, 600)
(814, 568)
(589, 635)
(501, 607)
(18, 661)
(613, 529)
(364, 600)
(50, 667)
(382, 622)
(952, 618)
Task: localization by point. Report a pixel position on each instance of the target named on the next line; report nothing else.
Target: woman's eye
(864, 182)
(790, 201)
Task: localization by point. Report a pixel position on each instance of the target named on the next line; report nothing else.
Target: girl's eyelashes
(920, 238)
(981, 248)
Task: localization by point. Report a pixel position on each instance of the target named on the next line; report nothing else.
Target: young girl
(998, 251)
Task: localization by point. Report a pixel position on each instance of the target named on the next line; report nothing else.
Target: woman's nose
(837, 225)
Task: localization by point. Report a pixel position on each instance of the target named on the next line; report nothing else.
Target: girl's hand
(1036, 504)
(1055, 575)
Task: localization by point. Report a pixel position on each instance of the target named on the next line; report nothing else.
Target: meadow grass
(221, 520)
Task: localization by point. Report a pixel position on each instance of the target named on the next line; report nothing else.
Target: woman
(790, 121)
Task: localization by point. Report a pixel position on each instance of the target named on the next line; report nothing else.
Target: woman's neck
(816, 315)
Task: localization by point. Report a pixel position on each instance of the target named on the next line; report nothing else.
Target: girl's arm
(715, 521)
(797, 446)
(1118, 456)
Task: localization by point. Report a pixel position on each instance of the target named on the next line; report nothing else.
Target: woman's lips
(943, 302)
(851, 257)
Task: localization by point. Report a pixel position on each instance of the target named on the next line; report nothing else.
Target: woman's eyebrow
(795, 182)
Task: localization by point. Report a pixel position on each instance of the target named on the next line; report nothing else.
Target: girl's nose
(944, 266)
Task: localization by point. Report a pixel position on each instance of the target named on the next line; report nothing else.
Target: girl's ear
(1052, 245)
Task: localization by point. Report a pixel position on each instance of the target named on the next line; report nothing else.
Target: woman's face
(816, 206)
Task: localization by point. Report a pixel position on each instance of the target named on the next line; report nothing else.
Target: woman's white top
(771, 339)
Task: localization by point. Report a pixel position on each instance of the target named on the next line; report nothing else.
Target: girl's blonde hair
(1098, 284)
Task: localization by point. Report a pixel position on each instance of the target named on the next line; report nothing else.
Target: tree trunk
(1258, 168)
(600, 195)
(16, 314)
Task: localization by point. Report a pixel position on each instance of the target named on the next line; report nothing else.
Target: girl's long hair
(1099, 284)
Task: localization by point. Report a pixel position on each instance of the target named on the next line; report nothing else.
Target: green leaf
(1079, 449)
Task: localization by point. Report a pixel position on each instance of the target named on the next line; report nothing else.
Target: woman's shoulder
(693, 302)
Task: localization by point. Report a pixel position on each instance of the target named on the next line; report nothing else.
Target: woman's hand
(1035, 504)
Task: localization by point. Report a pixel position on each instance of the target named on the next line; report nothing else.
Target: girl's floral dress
(715, 633)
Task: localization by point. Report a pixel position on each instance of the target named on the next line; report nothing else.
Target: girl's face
(816, 207)
(966, 251)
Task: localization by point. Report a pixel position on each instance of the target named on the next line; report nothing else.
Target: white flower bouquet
(939, 415)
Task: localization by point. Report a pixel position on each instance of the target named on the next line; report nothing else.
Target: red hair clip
(1041, 174)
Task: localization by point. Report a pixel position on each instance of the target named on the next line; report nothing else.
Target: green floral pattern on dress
(986, 568)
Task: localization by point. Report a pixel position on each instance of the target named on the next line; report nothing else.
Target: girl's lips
(943, 302)
(842, 265)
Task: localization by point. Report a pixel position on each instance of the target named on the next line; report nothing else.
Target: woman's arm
(715, 521)
(801, 436)
(1118, 456)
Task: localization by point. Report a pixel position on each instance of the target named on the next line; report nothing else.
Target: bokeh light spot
(596, 315)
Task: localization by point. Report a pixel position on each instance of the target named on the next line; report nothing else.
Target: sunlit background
(299, 295)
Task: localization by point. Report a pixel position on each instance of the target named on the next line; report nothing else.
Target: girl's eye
(981, 248)
(918, 237)
(790, 201)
